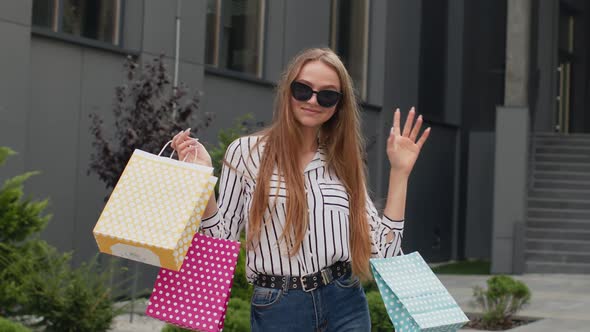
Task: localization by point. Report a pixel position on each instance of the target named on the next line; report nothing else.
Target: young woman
(299, 189)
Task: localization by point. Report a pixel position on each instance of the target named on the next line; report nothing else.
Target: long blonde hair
(344, 145)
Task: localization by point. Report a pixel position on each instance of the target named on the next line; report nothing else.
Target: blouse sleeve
(380, 227)
(228, 221)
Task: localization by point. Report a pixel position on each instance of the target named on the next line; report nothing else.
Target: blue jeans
(339, 306)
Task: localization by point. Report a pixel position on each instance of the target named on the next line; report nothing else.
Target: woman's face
(319, 76)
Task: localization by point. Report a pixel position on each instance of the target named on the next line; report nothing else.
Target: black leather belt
(308, 282)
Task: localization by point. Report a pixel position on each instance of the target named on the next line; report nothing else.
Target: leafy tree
(147, 111)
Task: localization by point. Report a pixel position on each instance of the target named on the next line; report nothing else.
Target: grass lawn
(464, 267)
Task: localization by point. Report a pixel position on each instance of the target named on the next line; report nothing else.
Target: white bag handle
(172, 154)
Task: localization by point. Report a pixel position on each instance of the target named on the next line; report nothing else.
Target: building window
(235, 35)
(93, 19)
(350, 38)
(566, 57)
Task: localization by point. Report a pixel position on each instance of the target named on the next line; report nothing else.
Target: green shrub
(37, 280)
(504, 297)
(9, 326)
(19, 217)
(237, 317)
(172, 328)
(380, 321)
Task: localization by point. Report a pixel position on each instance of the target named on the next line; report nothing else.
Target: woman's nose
(313, 99)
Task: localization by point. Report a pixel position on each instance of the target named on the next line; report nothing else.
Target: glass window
(94, 19)
(234, 35)
(45, 13)
(350, 38)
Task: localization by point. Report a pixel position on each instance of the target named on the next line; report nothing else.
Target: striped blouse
(327, 239)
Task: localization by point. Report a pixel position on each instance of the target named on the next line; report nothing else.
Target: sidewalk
(562, 300)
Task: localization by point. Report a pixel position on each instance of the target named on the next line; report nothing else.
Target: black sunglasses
(325, 98)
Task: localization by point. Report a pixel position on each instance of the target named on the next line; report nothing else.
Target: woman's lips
(310, 110)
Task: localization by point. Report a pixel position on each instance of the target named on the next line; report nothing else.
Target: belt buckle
(303, 285)
(327, 276)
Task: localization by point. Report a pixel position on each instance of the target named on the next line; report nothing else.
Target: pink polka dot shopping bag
(196, 296)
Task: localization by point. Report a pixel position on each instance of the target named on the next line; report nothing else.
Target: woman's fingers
(175, 140)
(188, 142)
(423, 138)
(409, 123)
(395, 130)
(416, 129)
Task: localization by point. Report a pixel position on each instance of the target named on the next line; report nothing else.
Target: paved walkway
(562, 300)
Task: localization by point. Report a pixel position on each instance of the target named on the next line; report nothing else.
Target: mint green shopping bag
(414, 297)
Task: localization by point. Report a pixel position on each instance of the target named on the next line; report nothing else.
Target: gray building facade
(448, 58)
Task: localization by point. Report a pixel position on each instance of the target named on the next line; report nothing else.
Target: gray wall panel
(132, 25)
(192, 75)
(274, 44)
(14, 93)
(159, 28)
(454, 70)
(377, 55)
(192, 27)
(480, 190)
(403, 54)
(100, 73)
(371, 130)
(53, 133)
(429, 206)
(307, 24)
(510, 176)
(16, 11)
(229, 98)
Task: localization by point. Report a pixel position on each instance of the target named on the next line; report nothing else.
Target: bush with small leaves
(38, 282)
(9, 326)
(503, 298)
(380, 321)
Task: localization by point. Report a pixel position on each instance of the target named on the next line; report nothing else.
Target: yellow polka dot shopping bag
(196, 297)
(414, 297)
(154, 210)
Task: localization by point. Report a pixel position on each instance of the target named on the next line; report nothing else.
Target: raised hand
(189, 149)
(403, 146)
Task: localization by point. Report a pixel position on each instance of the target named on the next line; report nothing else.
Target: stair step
(557, 245)
(553, 203)
(545, 267)
(556, 136)
(557, 234)
(558, 157)
(574, 194)
(557, 256)
(552, 223)
(561, 175)
(557, 166)
(582, 149)
(568, 142)
(561, 184)
(558, 213)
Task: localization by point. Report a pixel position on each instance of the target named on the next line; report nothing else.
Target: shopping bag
(414, 297)
(154, 210)
(196, 297)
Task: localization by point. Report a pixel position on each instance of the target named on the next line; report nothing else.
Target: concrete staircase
(558, 223)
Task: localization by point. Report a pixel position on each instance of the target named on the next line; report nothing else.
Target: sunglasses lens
(325, 98)
(301, 91)
(328, 98)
